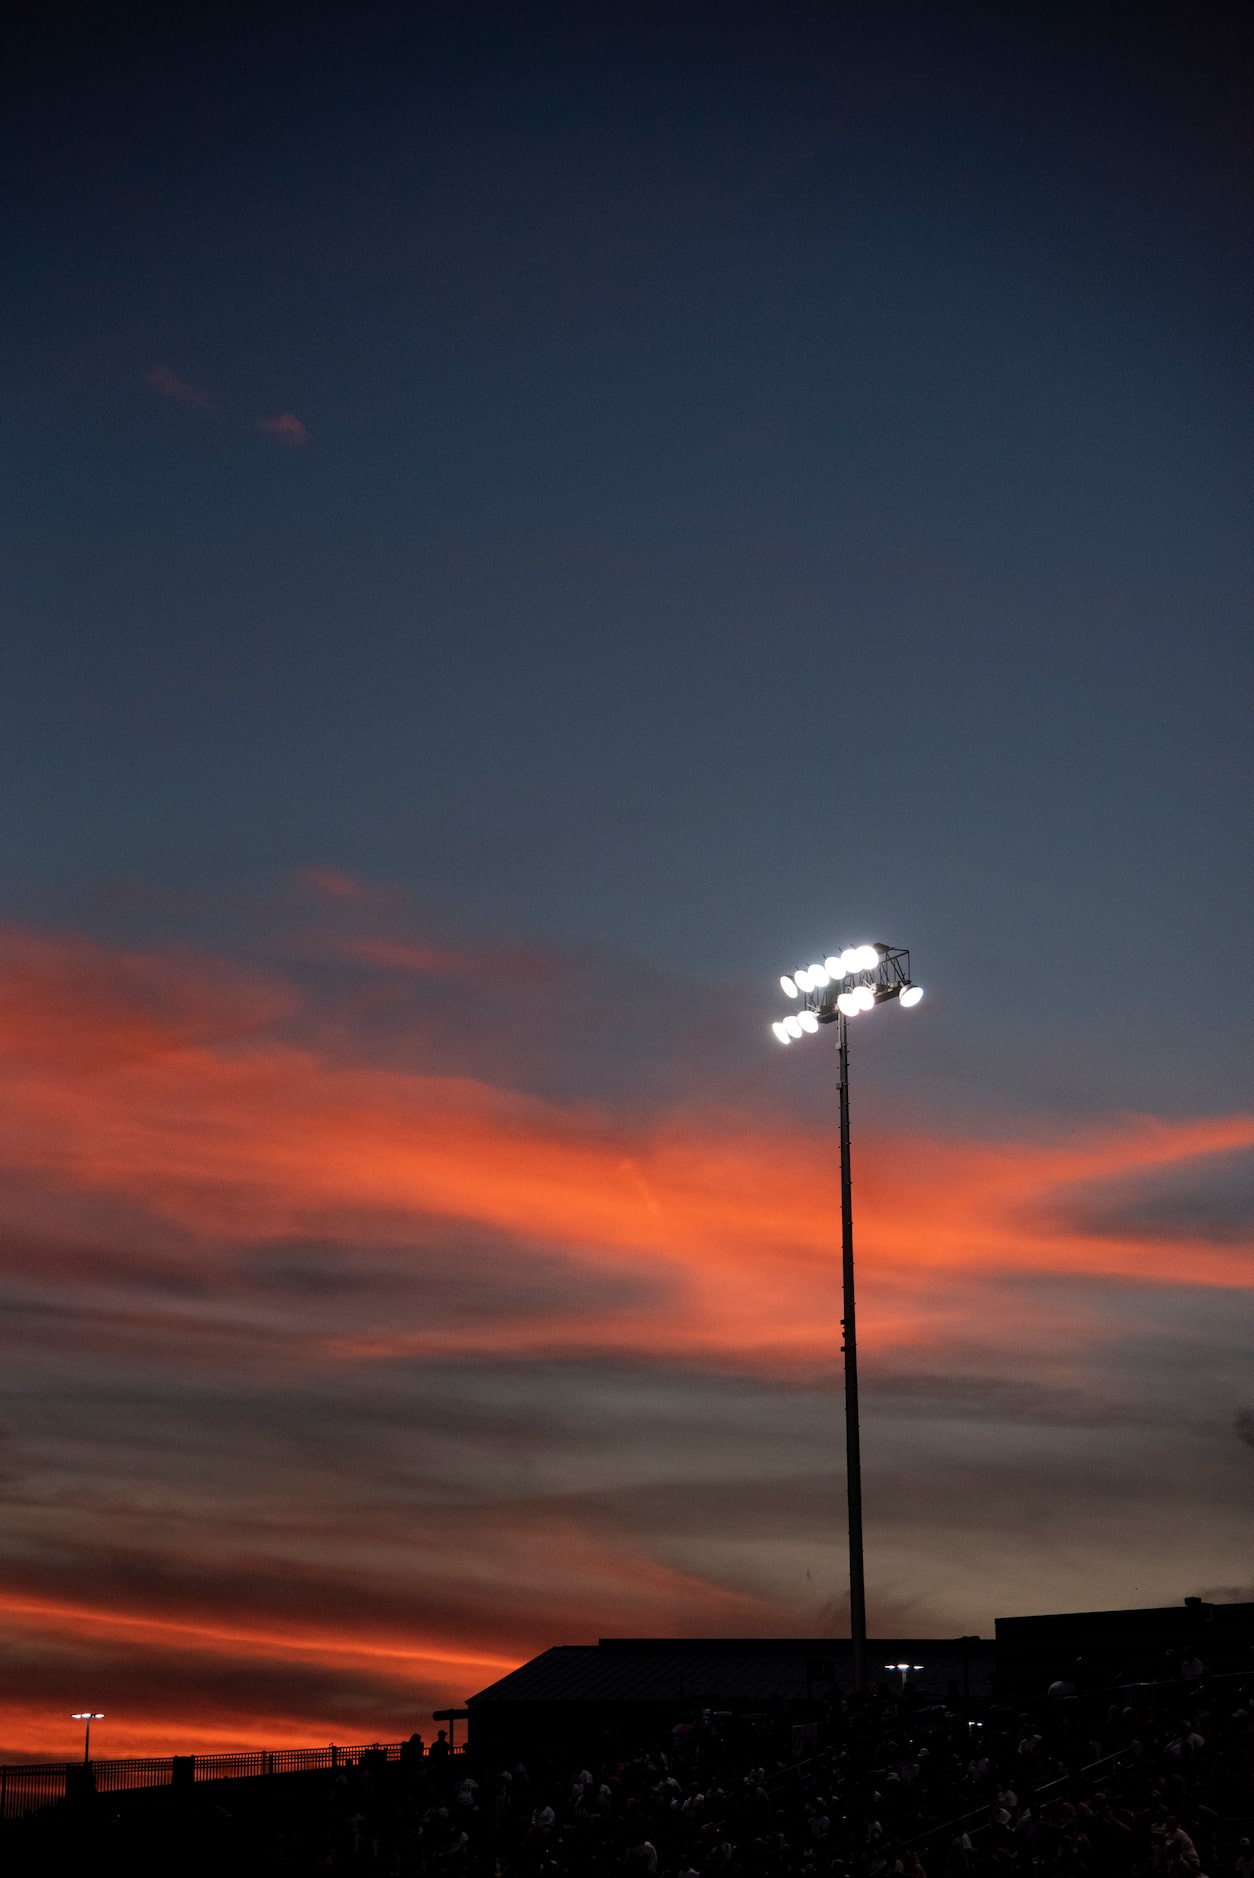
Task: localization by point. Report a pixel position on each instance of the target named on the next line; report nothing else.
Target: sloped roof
(715, 1671)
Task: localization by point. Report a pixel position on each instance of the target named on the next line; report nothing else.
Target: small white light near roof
(789, 988)
(833, 968)
(848, 1003)
(808, 1021)
(911, 995)
(781, 1032)
(802, 981)
(818, 976)
(793, 1026)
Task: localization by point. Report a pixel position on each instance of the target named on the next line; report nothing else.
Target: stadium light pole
(834, 991)
(85, 1715)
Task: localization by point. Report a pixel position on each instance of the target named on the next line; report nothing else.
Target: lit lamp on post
(834, 992)
(85, 1715)
(903, 1670)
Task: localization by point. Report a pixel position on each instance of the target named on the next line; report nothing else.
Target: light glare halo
(808, 1021)
(818, 977)
(865, 997)
(911, 995)
(833, 968)
(802, 981)
(793, 1026)
(847, 1003)
(789, 988)
(781, 1032)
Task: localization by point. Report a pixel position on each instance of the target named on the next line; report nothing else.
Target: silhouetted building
(1090, 1649)
(634, 1688)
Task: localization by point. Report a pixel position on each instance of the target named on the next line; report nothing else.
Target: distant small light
(848, 1004)
(789, 988)
(781, 1031)
(911, 995)
(833, 968)
(865, 997)
(849, 958)
(818, 976)
(802, 980)
(793, 1026)
(808, 1021)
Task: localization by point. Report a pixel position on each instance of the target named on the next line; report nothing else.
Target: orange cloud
(117, 1083)
(362, 1663)
(170, 385)
(286, 427)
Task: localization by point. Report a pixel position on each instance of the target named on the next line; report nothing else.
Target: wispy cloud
(287, 428)
(366, 1338)
(170, 385)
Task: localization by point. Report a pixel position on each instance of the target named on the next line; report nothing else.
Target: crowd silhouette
(1114, 1783)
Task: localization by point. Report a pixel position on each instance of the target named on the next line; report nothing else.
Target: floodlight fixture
(850, 982)
(847, 983)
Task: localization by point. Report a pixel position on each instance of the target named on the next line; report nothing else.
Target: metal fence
(25, 1787)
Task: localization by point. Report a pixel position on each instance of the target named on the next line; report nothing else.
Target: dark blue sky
(769, 471)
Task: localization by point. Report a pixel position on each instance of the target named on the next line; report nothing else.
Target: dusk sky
(520, 524)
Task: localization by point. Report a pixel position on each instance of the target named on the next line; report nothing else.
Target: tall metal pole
(87, 1743)
(853, 1448)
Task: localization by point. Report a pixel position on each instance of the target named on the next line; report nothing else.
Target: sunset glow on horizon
(218, 1188)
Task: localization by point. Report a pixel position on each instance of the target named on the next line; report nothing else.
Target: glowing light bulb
(911, 995)
(790, 989)
(808, 1021)
(818, 976)
(802, 980)
(793, 1026)
(833, 968)
(848, 1003)
(781, 1032)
